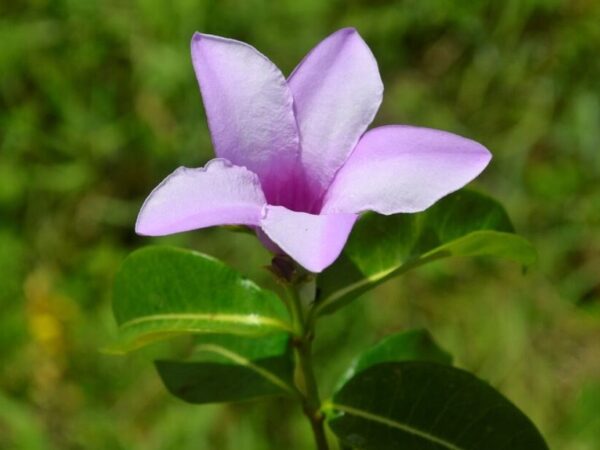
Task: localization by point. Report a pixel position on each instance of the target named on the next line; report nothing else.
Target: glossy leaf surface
(465, 223)
(416, 405)
(162, 292)
(229, 368)
(411, 345)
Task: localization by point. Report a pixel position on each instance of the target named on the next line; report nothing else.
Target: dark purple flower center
(295, 192)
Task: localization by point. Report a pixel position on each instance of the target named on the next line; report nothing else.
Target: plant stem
(311, 403)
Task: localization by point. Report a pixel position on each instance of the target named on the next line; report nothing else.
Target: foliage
(390, 396)
(96, 107)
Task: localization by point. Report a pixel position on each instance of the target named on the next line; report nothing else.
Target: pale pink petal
(218, 194)
(249, 108)
(314, 241)
(337, 91)
(397, 169)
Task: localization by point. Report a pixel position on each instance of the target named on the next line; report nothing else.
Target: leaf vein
(239, 359)
(395, 424)
(247, 319)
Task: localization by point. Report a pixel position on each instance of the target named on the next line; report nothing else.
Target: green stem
(311, 403)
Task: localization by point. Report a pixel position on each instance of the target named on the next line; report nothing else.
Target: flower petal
(314, 241)
(337, 91)
(218, 194)
(249, 108)
(406, 169)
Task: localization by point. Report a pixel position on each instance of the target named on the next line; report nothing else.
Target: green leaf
(412, 345)
(465, 223)
(161, 292)
(228, 368)
(416, 405)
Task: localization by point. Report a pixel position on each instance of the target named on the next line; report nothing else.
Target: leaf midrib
(376, 278)
(246, 319)
(380, 277)
(242, 361)
(394, 424)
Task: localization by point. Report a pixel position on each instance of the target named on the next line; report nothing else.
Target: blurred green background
(98, 102)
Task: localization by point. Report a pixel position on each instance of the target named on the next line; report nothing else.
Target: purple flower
(293, 161)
